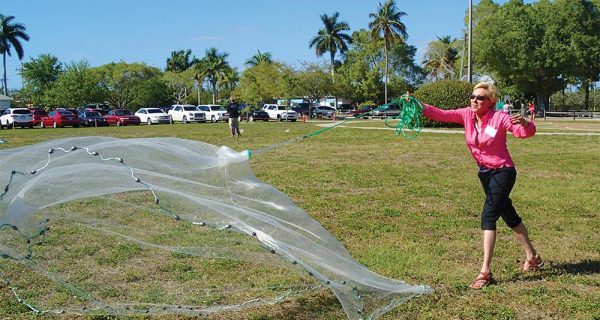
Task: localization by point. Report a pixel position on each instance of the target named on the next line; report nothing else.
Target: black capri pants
(497, 184)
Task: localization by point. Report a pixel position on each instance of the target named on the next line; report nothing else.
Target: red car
(365, 112)
(121, 117)
(38, 114)
(60, 118)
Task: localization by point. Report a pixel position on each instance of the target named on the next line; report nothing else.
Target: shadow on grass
(585, 267)
(580, 268)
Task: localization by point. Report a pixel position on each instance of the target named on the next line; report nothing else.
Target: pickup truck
(186, 113)
(280, 112)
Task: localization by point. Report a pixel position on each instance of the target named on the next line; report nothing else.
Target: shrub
(444, 94)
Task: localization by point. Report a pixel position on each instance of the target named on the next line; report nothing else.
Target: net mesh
(165, 225)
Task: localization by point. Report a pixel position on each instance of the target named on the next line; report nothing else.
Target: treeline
(210, 79)
(531, 50)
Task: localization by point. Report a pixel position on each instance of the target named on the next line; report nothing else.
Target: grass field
(407, 209)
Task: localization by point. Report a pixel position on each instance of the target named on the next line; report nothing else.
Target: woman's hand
(517, 118)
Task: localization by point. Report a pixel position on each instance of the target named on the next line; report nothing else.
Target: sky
(149, 30)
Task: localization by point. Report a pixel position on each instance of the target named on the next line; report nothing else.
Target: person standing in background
(507, 107)
(233, 109)
(531, 107)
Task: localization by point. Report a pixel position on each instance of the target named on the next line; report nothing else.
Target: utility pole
(470, 57)
(462, 57)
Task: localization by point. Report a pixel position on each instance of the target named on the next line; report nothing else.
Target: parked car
(153, 115)
(59, 118)
(166, 109)
(363, 112)
(392, 110)
(257, 115)
(121, 117)
(73, 111)
(280, 112)
(186, 113)
(322, 112)
(214, 112)
(344, 107)
(302, 108)
(102, 112)
(13, 117)
(38, 114)
(92, 119)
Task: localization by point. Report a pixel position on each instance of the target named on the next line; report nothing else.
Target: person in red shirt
(485, 134)
(531, 107)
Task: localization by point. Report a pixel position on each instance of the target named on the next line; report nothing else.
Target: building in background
(5, 102)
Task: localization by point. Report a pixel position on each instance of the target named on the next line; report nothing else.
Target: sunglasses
(479, 98)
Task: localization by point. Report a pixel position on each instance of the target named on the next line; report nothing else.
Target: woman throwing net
(485, 134)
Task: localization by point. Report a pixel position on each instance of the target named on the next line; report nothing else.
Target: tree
(77, 85)
(230, 79)
(122, 84)
(181, 84)
(152, 92)
(402, 57)
(386, 24)
(580, 22)
(11, 34)
(331, 39)
(39, 75)
(312, 83)
(538, 47)
(214, 65)
(259, 58)
(200, 74)
(359, 77)
(264, 83)
(440, 58)
(179, 61)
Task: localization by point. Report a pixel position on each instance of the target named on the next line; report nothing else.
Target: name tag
(490, 131)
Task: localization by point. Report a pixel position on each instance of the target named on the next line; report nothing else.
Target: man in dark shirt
(234, 114)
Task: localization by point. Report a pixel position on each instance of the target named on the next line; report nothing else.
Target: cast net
(99, 225)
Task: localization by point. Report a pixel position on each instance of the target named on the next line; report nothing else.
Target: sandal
(483, 279)
(534, 264)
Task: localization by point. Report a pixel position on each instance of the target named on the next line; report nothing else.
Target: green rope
(409, 121)
(410, 118)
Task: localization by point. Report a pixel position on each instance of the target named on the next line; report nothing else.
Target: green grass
(408, 209)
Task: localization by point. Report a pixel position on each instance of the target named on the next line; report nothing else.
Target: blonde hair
(491, 89)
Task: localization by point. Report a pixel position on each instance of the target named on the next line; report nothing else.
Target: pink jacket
(488, 147)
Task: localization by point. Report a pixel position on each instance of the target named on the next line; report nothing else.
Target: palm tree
(179, 61)
(331, 39)
(230, 78)
(214, 66)
(386, 23)
(199, 74)
(440, 58)
(259, 58)
(10, 33)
